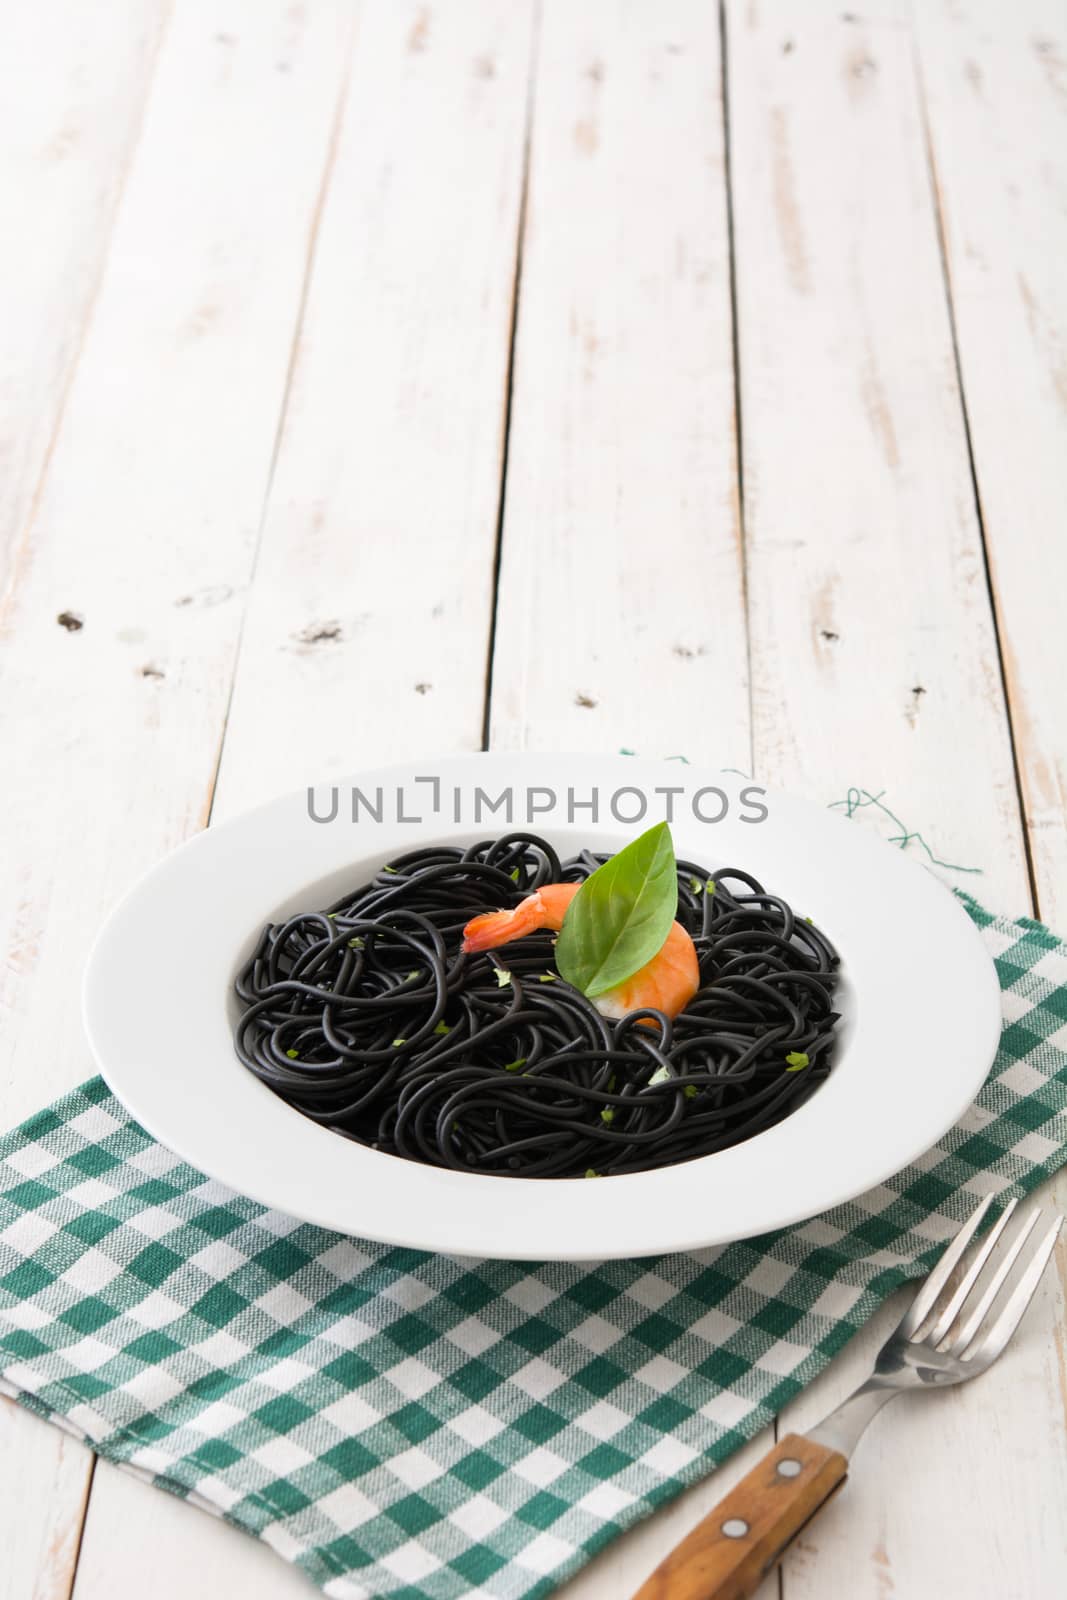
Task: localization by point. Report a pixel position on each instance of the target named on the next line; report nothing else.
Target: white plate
(921, 1009)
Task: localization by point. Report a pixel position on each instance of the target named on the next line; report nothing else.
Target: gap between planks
(739, 421)
(516, 296)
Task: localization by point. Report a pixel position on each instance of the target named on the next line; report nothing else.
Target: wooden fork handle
(735, 1546)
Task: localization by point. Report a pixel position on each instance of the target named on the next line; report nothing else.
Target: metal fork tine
(906, 1361)
(963, 1289)
(974, 1319)
(926, 1298)
(987, 1349)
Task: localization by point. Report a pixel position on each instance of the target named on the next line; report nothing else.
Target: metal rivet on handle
(735, 1528)
(790, 1467)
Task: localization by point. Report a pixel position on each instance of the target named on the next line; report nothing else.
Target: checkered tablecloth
(400, 1423)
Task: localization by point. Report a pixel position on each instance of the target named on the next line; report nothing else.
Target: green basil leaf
(621, 915)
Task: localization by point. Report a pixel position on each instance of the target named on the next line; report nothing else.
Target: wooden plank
(620, 604)
(166, 448)
(874, 656)
(866, 584)
(996, 103)
(368, 630)
(620, 612)
(73, 83)
(140, 1542)
(995, 95)
(146, 527)
(40, 1534)
(376, 567)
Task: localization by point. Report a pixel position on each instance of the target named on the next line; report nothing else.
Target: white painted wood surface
(68, 135)
(873, 654)
(372, 606)
(256, 385)
(620, 602)
(1002, 185)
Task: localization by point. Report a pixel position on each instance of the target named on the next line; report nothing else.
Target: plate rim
(111, 1048)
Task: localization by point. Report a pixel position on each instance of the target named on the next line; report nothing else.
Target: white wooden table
(381, 378)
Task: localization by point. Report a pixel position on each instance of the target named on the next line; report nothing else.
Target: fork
(955, 1328)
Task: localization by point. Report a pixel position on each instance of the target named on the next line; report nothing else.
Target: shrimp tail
(545, 908)
(493, 928)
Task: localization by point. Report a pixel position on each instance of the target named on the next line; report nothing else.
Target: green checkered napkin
(408, 1424)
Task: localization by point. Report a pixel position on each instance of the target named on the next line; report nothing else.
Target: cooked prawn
(666, 983)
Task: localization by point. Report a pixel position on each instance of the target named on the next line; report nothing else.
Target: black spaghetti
(369, 1019)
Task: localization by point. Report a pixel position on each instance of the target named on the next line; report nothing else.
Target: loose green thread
(857, 799)
(623, 751)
